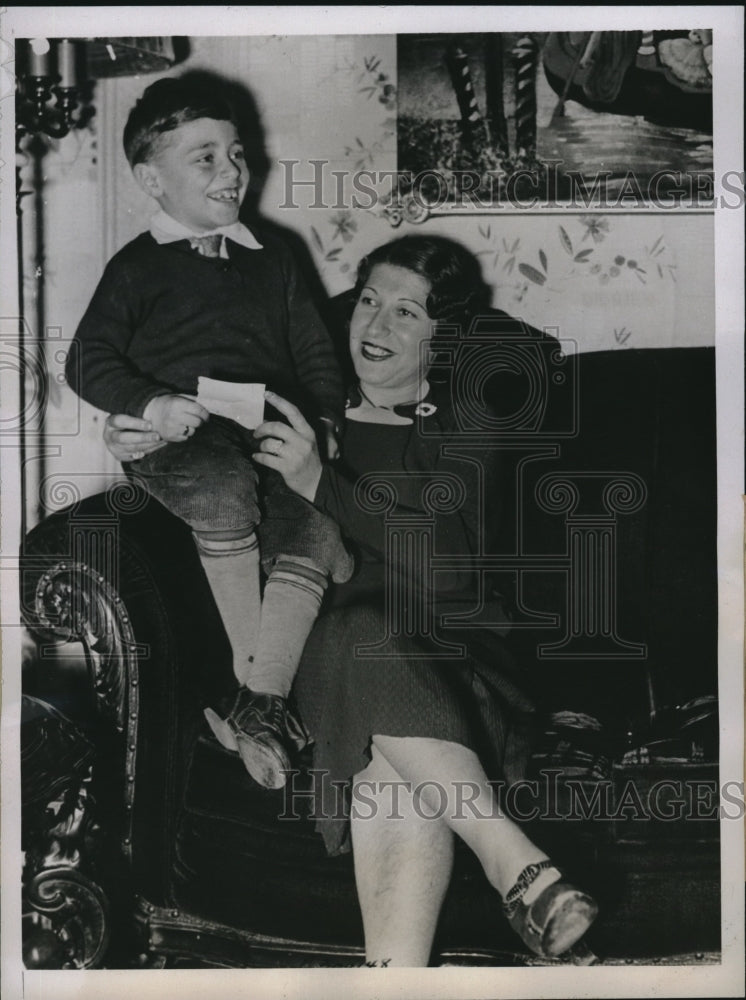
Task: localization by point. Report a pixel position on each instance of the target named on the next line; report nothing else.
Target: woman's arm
(454, 532)
(291, 450)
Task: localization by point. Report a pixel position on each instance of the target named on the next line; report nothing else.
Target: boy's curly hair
(164, 106)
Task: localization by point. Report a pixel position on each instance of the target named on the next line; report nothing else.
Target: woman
(409, 713)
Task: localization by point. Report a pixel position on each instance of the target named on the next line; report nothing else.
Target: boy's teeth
(224, 196)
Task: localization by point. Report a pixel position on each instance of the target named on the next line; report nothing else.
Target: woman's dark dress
(345, 698)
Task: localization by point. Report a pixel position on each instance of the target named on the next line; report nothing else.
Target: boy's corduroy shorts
(210, 482)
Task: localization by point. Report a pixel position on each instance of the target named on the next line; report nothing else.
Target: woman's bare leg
(454, 785)
(403, 866)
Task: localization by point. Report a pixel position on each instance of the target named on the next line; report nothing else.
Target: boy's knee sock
(292, 598)
(232, 570)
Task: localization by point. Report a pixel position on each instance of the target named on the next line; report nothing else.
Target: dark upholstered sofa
(147, 843)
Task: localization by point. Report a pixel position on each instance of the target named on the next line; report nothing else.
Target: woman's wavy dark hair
(457, 290)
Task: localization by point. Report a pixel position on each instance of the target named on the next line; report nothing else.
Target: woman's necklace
(380, 406)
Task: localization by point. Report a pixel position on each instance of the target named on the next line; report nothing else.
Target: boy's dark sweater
(163, 315)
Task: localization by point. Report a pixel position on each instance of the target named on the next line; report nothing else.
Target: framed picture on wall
(620, 118)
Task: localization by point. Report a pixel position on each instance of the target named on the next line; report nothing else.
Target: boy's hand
(330, 439)
(175, 418)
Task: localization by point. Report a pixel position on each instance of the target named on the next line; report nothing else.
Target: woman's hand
(290, 449)
(130, 438)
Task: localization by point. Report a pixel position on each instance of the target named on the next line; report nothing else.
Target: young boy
(195, 296)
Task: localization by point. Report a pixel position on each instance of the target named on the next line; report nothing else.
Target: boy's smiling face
(198, 175)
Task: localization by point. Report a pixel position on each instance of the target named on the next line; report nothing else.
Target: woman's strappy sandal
(553, 922)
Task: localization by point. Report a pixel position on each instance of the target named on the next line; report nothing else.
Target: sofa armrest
(121, 581)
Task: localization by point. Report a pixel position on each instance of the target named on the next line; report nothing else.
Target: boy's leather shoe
(261, 728)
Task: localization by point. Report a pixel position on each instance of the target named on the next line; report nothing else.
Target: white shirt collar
(165, 229)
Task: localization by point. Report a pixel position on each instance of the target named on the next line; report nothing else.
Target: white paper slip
(240, 401)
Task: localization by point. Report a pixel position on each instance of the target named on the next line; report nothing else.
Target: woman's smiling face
(388, 325)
